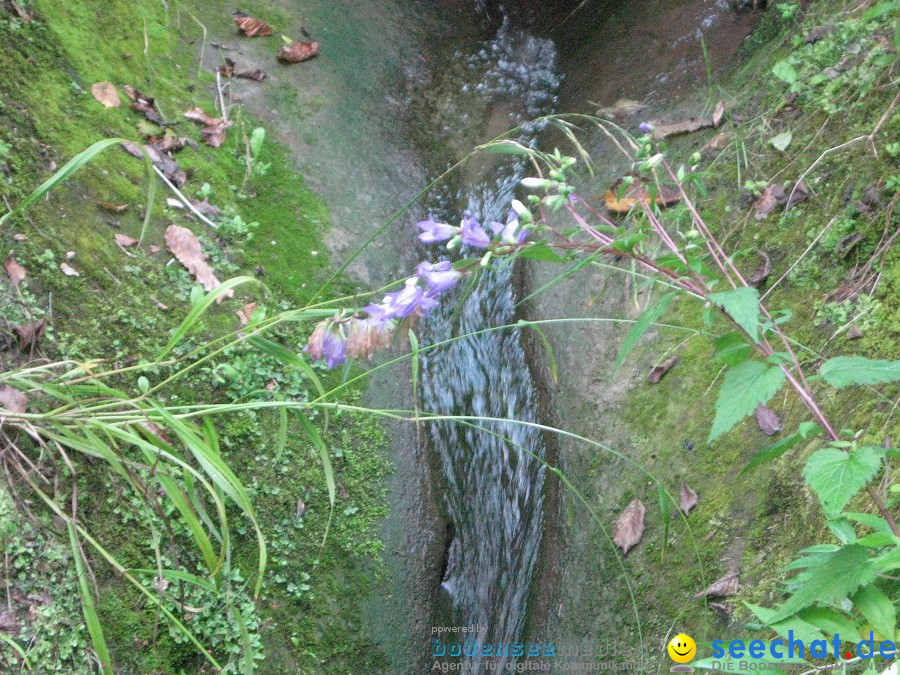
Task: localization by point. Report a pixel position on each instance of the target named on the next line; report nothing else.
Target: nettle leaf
(844, 572)
(745, 387)
(842, 371)
(831, 621)
(649, 316)
(836, 476)
(742, 305)
(731, 348)
(801, 629)
(877, 608)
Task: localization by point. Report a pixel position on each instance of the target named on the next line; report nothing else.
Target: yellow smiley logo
(682, 648)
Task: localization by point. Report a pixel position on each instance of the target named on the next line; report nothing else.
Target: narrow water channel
(400, 92)
(494, 479)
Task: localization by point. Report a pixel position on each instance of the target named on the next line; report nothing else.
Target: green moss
(123, 307)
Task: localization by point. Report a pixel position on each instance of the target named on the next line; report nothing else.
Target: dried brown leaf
(198, 115)
(251, 27)
(722, 588)
(799, 193)
(854, 333)
(231, 69)
(185, 246)
(768, 420)
(13, 399)
(105, 93)
(718, 141)
(8, 622)
(688, 499)
(213, 131)
(771, 196)
(30, 334)
(15, 271)
(245, 312)
(718, 113)
(637, 193)
(630, 526)
(144, 104)
(661, 131)
(761, 273)
(298, 51)
(658, 372)
(113, 208)
(124, 240)
(161, 161)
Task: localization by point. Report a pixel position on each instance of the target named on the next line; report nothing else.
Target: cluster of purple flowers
(471, 233)
(336, 340)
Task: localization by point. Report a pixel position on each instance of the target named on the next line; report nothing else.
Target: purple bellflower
(473, 234)
(510, 233)
(440, 277)
(433, 231)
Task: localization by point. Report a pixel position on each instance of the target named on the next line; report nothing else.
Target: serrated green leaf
(801, 630)
(742, 305)
(836, 476)
(842, 371)
(785, 72)
(732, 349)
(745, 387)
(843, 573)
(831, 621)
(877, 608)
(770, 452)
(647, 318)
(782, 140)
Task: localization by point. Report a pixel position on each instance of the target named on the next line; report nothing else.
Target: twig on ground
(185, 200)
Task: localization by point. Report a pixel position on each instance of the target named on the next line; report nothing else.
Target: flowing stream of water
(494, 477)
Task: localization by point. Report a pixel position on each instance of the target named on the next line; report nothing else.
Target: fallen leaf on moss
(30, 334)
(658, 372)
(231, 69)
(298, 51)
(8, 622)
(124, 240)
(112, 208)
(105, 93)
(761, 273)
(213, 131)
(68, 270)
(721, 588)
(637, 193)
(687, 499)
(251, 27)
(718, 141)
(15, 271)
(143, 104)
(185, 246)
(768, 420)
(13, 399)
(799, 193)
(630, 526)
(161, 161)
(771, 196)
(245, 312)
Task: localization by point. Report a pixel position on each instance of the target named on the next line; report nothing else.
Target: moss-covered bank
(123, 307)
(839, 87)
